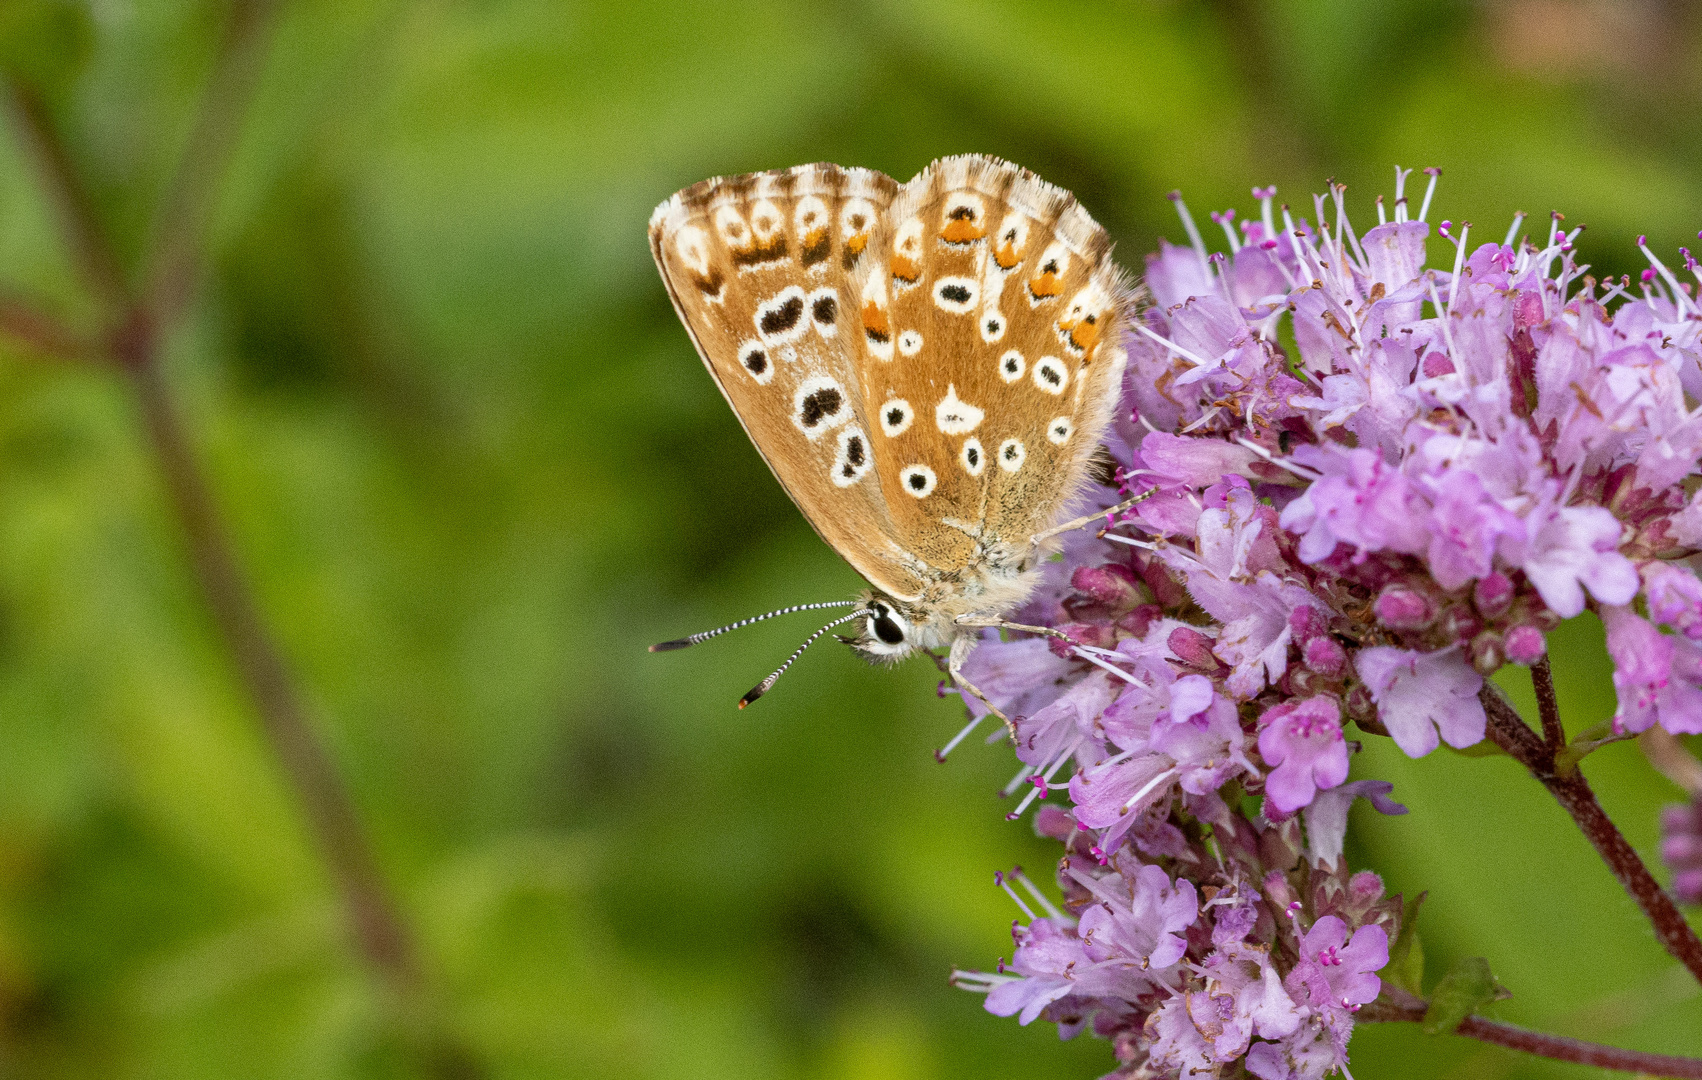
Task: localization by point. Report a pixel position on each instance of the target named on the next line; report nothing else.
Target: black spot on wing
(825, 310)
(821, 404)
(756, 361)
(957, 294)
(783, 318)
(817, 250)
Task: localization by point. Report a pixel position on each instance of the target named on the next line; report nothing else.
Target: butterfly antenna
(762, 687)
(668, 646)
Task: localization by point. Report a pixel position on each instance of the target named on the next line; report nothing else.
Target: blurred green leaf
(1406, 957)
(1466, 989)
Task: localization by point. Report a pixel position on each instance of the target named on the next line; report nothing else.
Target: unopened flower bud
(1525, 645)
(1136, 622)
(1277, 891)
(1307, 622)
(1493, 594)
(1488, 652)
(1282, 846)
(1165, 588)
(1114, 585)
(1053, 821)
(1325, 656)
(1365, 888)
(1400, 607)
(1192, 647)
(1097, 635)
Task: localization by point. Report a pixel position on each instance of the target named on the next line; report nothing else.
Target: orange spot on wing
(875, 322)
(1084, 335)
(857, 243)
(1045, 285)
(905, 268)
(961, 231)
(1006, 256)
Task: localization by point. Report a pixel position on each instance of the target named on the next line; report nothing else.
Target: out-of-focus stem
(1548, 705)
(1557, 1047)
(131, 341)
(1569, 788)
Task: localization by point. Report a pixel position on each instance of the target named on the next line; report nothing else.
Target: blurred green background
(473, 467)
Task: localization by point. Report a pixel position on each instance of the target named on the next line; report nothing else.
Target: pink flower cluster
(1376, 484)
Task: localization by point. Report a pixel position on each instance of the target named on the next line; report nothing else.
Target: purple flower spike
(1302, 742)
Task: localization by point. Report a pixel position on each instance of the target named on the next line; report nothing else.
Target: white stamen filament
(1148, 787)
(1678, 297)
(1193, 232)
(1186, 354)
(1282, 463)
(1459, 261)
(940, 754)
(1382, 215)
(1050, 908)
(1010, 892)
(1400, 193)
(1513, 229)
(1430, 190)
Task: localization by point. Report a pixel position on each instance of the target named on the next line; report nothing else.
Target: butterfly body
(926, 367)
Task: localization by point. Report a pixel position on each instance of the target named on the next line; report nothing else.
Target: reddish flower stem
(1557, 1047)
(1548, 705)
(1569, 788)
(137, 323)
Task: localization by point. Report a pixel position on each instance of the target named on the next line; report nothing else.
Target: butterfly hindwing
(1000, 310)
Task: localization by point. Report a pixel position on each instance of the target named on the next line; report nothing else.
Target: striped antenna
(668, 646)
(762, 687)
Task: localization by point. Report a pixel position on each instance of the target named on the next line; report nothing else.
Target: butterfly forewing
(989, 354)
(759, 268)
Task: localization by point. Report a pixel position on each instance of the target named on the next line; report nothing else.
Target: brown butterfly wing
(759, 268)
(989, 354)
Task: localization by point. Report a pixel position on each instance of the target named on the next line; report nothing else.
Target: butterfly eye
(885, 628)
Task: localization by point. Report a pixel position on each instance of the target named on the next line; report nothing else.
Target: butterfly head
(884, 632)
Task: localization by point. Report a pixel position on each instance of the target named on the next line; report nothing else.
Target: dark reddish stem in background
(131, 340)
(1568, 786)
(1548, 706)
(1558, 1047)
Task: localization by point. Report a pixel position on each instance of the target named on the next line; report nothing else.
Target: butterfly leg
(1089, 519)
(1006, 624)
(960, 650)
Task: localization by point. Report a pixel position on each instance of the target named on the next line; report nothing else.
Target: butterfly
(926, 367)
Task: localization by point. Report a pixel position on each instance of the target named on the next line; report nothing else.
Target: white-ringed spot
(974, 458)
(815, 241)
(1059, 430)
(852, 461)
(962, 219)
(856, 218)
(819, 405)
(907, 252)
(954, 416)
(691, 244)
(896, 416)
(765, 221)
(992, 327)
(917, 480)
(956, 294)
(731, 225)
(824, 310)
(1009, 241)
(1046, 284)
(910, 342)
(780, 318)
(1051, 375)
(1012, 454)
(1011, 366)
(758, 364)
